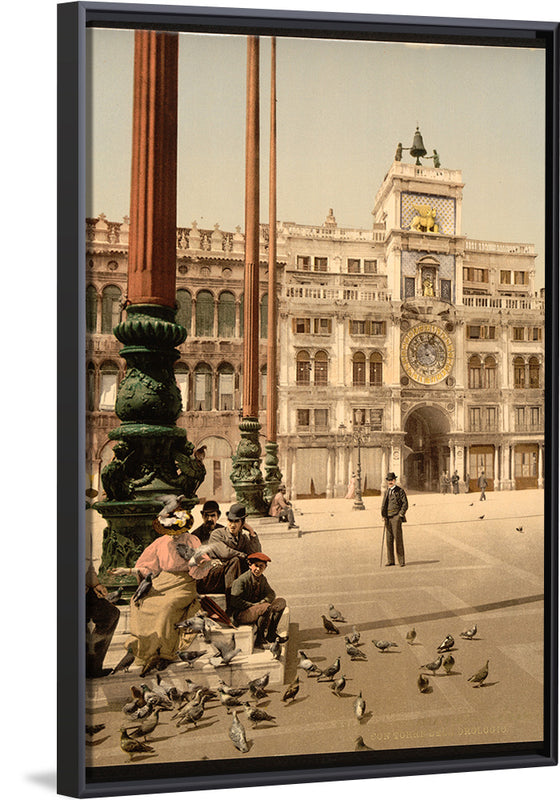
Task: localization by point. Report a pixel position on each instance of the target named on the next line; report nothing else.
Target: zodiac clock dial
(427, 354)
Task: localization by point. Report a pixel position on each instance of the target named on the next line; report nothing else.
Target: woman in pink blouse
(171, 598)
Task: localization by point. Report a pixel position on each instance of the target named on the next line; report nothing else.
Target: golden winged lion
(425, 220)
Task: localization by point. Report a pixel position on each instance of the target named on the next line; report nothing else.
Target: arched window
(264, 387)
(182, 378)
(91, 309)
(375, 369)
(490, 373)
(203, 387)
(204, 314)
(359, 370)
(519, 372)
(225, 387)
(109, 380)
(321, 370)
(534, 373)
(475, 372)
(110, 308)
(226, 315)
(264, 316)
(90, 400)
(184, 309)
(303, 367)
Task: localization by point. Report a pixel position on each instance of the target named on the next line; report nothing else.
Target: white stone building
(427, 345)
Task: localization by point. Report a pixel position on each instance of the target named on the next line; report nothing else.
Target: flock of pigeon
(185, 708)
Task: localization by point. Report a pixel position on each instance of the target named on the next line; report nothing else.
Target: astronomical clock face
(427, 354)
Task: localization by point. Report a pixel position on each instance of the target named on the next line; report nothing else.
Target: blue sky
(342, 109)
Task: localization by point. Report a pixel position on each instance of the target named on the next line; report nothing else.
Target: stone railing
(335, 293)
(330, 232)
(508, 303)
(513, 248)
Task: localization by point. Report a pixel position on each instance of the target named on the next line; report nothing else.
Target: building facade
(426, 346)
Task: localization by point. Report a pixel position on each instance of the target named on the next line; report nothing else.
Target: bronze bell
(418, 150)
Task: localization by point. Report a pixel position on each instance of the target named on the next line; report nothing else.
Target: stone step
(269, 527)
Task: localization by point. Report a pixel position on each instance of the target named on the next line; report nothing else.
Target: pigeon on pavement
(257, 715)
(447, 644)
(448, 663)
(190, 656)
(309, 666)
(354, 653)
(237, 734)
(354, 637)
(147, 726)
(383, 645)
(131, 746)
(480, 676)
(470, 633)
(91, 730)
(335, 614)
(339, 685)
(411, 636)
(329, 626)
(423, 683)
(291, 691)
(359, 706)
(331, 671)
(361, 745)
(433, 666)
(125, 663)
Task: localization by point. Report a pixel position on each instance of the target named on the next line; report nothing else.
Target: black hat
(391, 476)
(237, 512)
(210, 506)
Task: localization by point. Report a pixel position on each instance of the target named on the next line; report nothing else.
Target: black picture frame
(73, 19)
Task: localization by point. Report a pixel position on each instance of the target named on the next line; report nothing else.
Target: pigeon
(234, 691)
(223, 661)
(156, 697)
(448, 663)
(423, 683)
(191, 713)
(194, 624)
(447, 644)
(237, 734)
(308, 665)
(383, 645)
(125, 663)
(329, 626)
(147, 726)
(520, 529)
(184, 550)
(411, 636)
(480, 676)
(260, 683)
(225, 647)
(433, 666)
(131, 746)
(470, 633)
(339, 685)
(228, 701)
(143, 588)
(331, 671)
(335, 614)
(140, 712)
(361, 745)
(151, 663)
(91, 730)
(190, 656)
(276, 649)
(291, 691)
(114, 597)
(354, 637)
(194, 700)
(482, 516)
(206, 630)
(359, 706)
(257, 693)
(354, 653)
(257, 715)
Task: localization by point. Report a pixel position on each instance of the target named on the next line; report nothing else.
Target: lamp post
(360, 435)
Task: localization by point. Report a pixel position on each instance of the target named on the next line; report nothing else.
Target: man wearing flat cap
(393, 511)
(254, 601)
(227, 549)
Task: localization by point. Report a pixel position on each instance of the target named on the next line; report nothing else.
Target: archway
(427, 446)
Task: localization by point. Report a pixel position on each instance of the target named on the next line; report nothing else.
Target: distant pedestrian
(444, 482)
(482, 485)
(351, 493)
(455, 482)
(393, 511)
(467, 483)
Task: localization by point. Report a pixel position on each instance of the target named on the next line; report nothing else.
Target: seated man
(282, 508)
(254, 601)
(210, 515)
(105, 617)
(227, 549)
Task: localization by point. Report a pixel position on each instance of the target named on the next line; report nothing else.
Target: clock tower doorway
(427, 450)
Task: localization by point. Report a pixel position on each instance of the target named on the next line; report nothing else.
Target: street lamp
(360, 435)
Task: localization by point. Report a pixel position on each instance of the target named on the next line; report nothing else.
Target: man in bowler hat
(393, 511)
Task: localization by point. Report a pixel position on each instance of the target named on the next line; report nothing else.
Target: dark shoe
(259, 644)
(402, 565)
(100, 673)
(390, 564)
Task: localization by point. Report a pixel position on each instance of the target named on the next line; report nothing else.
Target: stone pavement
(460, 570)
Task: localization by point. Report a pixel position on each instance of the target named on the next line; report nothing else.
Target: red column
(251, 300)
(153, 198)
